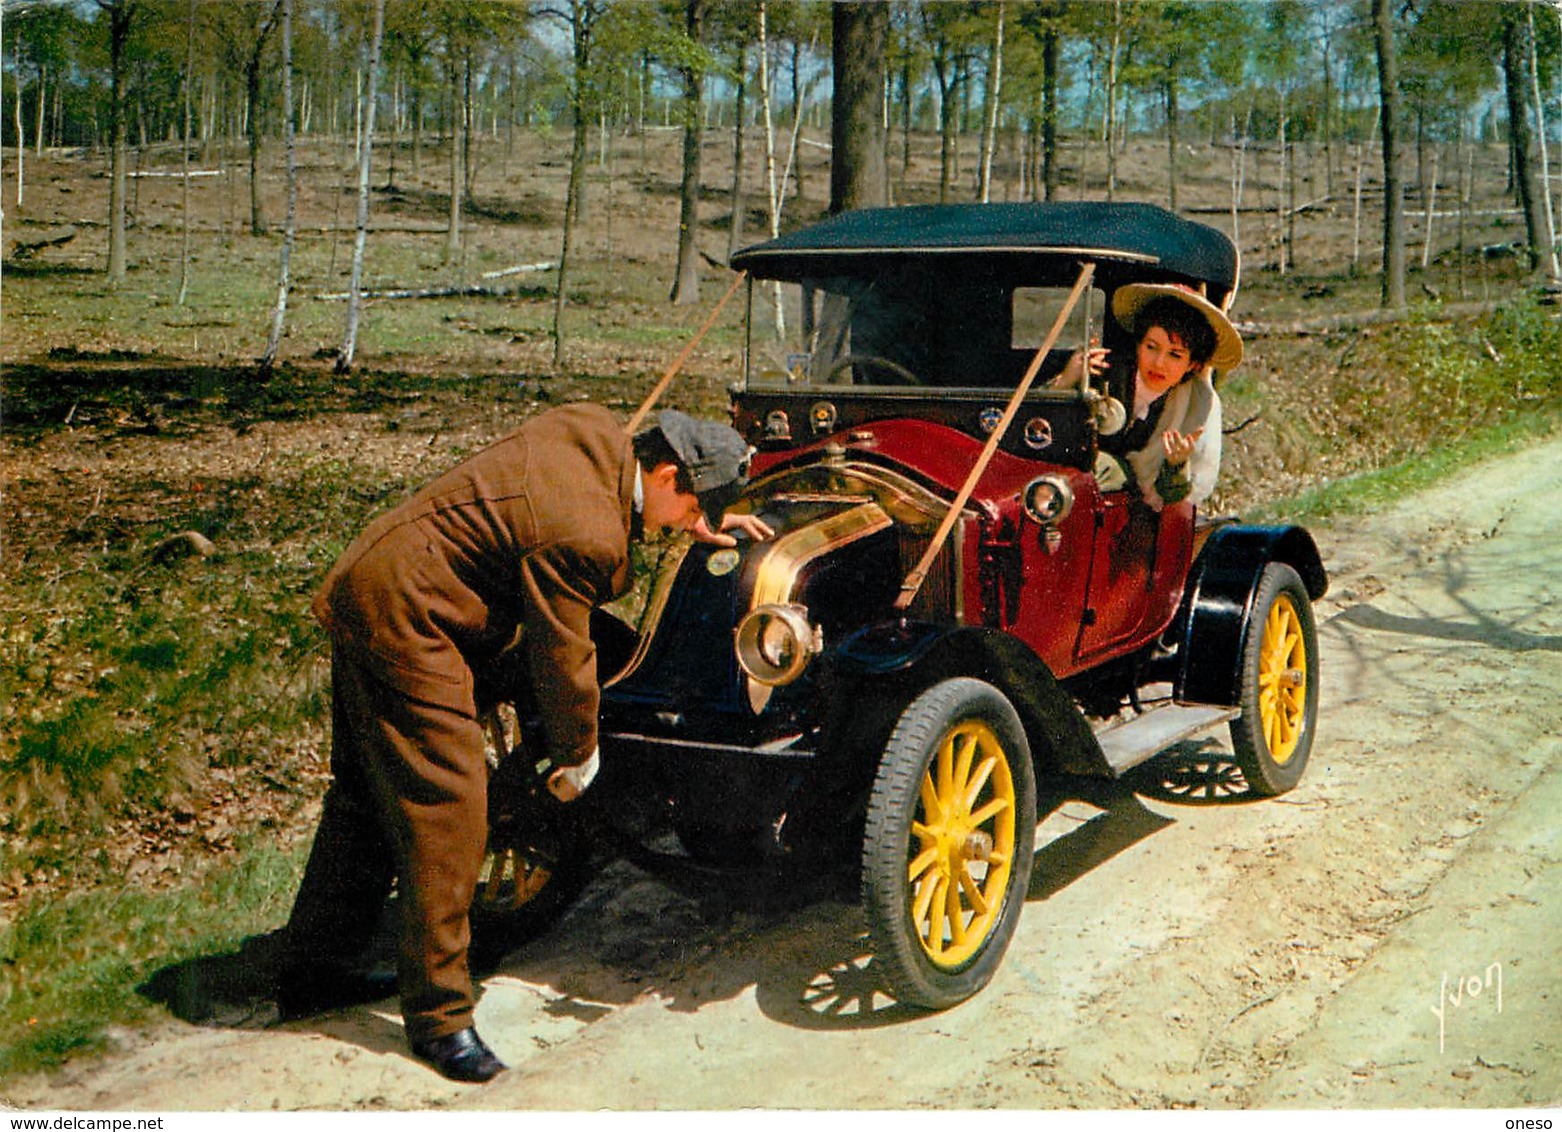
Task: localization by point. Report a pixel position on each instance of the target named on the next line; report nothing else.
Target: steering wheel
(901, 375)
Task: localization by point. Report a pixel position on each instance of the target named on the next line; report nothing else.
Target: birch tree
(290, 222)
(344, 360)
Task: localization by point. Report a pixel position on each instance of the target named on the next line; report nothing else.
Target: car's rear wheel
(1273, 736)
(947, 848)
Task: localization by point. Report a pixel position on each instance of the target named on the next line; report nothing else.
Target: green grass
(132, 676)
(1374, 490)
(71, 968)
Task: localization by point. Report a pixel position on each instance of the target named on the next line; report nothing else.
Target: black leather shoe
(306, 991)
(461, 1056)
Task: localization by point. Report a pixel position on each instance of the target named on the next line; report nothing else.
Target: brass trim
(788, 555)
(785, 559)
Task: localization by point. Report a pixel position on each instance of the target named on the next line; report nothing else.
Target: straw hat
(1127, 300)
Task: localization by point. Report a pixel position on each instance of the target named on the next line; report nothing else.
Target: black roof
(1133, 232)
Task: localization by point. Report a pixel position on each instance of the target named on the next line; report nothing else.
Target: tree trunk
(1545, 157)
(1393, 187)
(990, 119)
(686, 278)
(453, 225)
(38, 123)
(119, 18)
(582, 26)
(795, 158)
(1049, 111)
(948, 78)
(290, 222)
(1110, 132)
(184, 163)
(1169, 89)
(860, 32)
(16, 106)
(469, 125)
(344, 360)
(253, 123)
(1515, 56)
(739, 105)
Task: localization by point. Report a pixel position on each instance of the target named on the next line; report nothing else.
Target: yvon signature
(1466, 989)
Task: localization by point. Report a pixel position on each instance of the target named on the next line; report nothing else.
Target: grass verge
(70, 969)
(1371, 491)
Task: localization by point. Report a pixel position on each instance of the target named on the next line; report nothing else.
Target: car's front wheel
(947, 848)
(1273, 736)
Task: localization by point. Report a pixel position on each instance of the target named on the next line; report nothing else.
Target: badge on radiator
(722, 562)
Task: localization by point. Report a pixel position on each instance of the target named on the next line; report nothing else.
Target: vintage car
(951, 608)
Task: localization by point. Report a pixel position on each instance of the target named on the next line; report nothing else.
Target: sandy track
(1175, 950)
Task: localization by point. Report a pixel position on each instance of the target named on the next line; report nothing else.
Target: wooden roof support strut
(918, 574)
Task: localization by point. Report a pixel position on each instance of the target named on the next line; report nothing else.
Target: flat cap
(714, 455)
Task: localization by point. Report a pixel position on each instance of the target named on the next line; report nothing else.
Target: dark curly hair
(652, 448)
(1181, 321)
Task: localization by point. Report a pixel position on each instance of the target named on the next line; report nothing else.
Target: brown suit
(531, 533)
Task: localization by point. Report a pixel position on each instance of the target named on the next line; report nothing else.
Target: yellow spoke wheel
(948, 843)
(1279, 691)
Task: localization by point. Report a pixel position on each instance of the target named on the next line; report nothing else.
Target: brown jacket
(532, 532)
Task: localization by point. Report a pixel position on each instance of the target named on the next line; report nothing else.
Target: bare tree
(120, 13)
(254, 117)
(1515, 60)
(21, 140)
(344, 360)
(184, 159)
(1393, 184)
(290, 224)
(860, 33)
(582, 16)
(993, 96)
(686, 277)
(739, 111)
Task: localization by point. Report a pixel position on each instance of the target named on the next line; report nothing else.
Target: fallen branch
(424, 293)
(175, 173)
(545, 265)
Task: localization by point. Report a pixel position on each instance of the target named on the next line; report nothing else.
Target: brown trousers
(408, 802)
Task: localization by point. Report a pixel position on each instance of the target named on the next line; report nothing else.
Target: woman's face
(1164, 360)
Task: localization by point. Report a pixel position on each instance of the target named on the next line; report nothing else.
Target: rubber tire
(905, 969)
(1266, 776)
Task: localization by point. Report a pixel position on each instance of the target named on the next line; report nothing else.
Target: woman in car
(1170, 444)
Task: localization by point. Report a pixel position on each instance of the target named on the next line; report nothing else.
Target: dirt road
(1382, 936)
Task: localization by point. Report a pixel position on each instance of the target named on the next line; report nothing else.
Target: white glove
(569, 782)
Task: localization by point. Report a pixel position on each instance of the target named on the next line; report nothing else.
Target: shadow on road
(690, 939)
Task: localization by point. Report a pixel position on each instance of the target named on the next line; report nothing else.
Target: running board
(1141, 738)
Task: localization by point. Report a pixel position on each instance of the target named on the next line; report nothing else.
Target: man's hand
(751, 525)
(566, 783)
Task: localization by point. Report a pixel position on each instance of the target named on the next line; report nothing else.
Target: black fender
(916, 654)
(1218, 604)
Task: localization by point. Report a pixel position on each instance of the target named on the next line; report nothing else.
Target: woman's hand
(1178, 446)
(751, 525)
(1073, 373)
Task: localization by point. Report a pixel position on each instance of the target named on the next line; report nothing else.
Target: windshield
(903, 327)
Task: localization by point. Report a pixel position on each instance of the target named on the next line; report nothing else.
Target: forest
(1300, 110)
